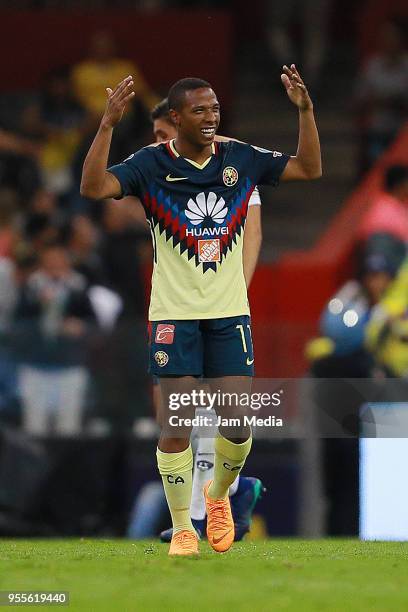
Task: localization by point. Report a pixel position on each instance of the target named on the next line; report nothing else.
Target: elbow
(83, 191)
(89, 192)
(306, 170)
(318, 173)
(314, 173)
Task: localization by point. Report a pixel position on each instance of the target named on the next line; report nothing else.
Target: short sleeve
(268, 165)
(255, 199)
(131, 174)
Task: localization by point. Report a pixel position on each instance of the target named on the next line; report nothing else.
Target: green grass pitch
(299, 575)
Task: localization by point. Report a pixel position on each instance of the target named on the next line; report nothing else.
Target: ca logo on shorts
(161, 358)
(230, 176)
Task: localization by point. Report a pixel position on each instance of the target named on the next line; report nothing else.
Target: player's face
(199, 118)
(163, 130)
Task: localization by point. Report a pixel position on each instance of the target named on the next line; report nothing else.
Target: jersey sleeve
(268, 165)
(133, 172)
(255, 199)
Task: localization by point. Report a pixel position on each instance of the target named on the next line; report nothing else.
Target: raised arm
(96, 182)
(307, 163)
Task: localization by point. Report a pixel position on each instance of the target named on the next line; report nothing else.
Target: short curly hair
(178, 91)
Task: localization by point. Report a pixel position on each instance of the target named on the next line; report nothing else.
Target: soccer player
(245, 490)
(195, 192)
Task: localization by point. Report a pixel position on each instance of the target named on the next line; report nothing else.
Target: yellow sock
(176, 470)
(229, 461)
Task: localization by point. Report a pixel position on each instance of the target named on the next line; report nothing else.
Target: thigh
(228, 349)
(175, 348)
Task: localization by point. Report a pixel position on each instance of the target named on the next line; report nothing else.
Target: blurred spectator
(338, 357)
(43, 202)
(340, 349)
(52, 318)
(119, 367)
(40, 229)
(13, 272)
(13, 143)
(9, 212)
(382, 93)
(81, 238)
(90, 79)
(387, 332)
(313, 15)
(41, 219)
(18, 163)
(104, 69)
(388, 213)
(55, 121)
(124, 246)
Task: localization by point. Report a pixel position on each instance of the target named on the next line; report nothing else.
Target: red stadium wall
(166, 45)
(370, 19)
(287, 297)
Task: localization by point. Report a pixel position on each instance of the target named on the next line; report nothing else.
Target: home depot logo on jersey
(164, 333)
(209, 250)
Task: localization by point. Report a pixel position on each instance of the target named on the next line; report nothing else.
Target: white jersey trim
(255, 199)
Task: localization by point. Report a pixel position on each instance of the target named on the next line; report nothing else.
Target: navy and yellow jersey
(197, 214)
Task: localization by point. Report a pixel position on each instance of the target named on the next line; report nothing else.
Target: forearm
(250, 255)
(308, 154)
(250, 261)
(96, 161)
(16, 144)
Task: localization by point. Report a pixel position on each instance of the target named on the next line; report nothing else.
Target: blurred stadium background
(77, 432)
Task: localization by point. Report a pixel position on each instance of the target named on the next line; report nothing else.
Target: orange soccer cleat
(184, 543)
(220, 524)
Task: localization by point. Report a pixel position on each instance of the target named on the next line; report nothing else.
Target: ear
(175, 117)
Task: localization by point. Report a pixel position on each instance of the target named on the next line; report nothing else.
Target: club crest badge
(161, 358)
(230, 176)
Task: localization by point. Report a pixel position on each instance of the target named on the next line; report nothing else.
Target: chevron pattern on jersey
(173, 222)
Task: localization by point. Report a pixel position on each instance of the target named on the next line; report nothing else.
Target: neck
(197, 153)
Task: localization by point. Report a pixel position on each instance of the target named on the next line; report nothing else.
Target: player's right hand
(117, 100)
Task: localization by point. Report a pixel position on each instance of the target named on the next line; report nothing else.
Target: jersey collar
(173, 151)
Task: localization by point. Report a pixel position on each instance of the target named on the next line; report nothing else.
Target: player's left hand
(295, 88)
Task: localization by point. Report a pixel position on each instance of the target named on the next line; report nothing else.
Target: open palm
(117, 100)
(295, 88)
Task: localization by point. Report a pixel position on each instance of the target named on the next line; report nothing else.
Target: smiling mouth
(208, 131)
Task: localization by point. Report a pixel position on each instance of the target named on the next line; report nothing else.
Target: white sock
(202, 472)
(233, 488)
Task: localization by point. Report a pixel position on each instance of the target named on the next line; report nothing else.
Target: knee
(173, 445)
